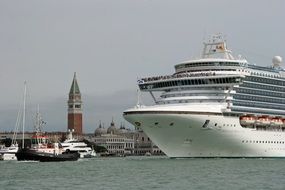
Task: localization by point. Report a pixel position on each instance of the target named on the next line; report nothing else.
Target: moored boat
(8, 153)
(29, 154)
(73, 145)
(42, 149)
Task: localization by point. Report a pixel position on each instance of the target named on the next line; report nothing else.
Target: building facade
(143, 144)
(122, 141)
(118, 141)
(75, 108)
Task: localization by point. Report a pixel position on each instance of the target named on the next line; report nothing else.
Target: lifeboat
(263, 120)
(276, 121)
(247, 120)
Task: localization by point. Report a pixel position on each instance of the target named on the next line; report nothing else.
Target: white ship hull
(182, 135)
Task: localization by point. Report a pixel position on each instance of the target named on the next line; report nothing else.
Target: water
(145, 173)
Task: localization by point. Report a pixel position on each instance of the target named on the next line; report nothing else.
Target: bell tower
(74, 108)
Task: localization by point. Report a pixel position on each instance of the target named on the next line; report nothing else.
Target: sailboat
(9, 153)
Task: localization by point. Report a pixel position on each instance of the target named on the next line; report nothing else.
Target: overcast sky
(109, 43)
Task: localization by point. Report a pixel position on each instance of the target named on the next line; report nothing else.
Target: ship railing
(175, 76)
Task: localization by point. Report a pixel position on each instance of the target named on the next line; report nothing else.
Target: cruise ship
(219, 105)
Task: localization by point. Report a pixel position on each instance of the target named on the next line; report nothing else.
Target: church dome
(112, 129)
(100, 130)
(123, 130)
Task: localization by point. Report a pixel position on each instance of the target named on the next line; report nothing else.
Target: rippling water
(145, 173)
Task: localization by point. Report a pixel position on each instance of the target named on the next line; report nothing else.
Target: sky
(110, 44)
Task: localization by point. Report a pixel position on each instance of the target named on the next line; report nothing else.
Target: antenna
(38, 121)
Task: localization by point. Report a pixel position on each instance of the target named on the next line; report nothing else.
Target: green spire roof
(74, 87)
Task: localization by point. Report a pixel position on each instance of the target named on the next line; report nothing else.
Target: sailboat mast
(24, 114)
(14, 141)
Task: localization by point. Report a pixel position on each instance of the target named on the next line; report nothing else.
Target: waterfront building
(116, 140)
(123, 141)
(75, 108)
(143, 144)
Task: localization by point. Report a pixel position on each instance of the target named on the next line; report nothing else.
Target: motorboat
(72, 145)
(8, 153)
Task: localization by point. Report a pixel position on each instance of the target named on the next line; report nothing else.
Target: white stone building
(122, 141)
(118, 141)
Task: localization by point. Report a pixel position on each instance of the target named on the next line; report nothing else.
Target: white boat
(9, 153)
(72, 144)
(197, 110)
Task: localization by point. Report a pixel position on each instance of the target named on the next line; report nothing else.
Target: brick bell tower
(75, 108)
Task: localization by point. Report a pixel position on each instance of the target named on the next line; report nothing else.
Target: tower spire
(112, 123)
(74, 89)
(74, 82)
